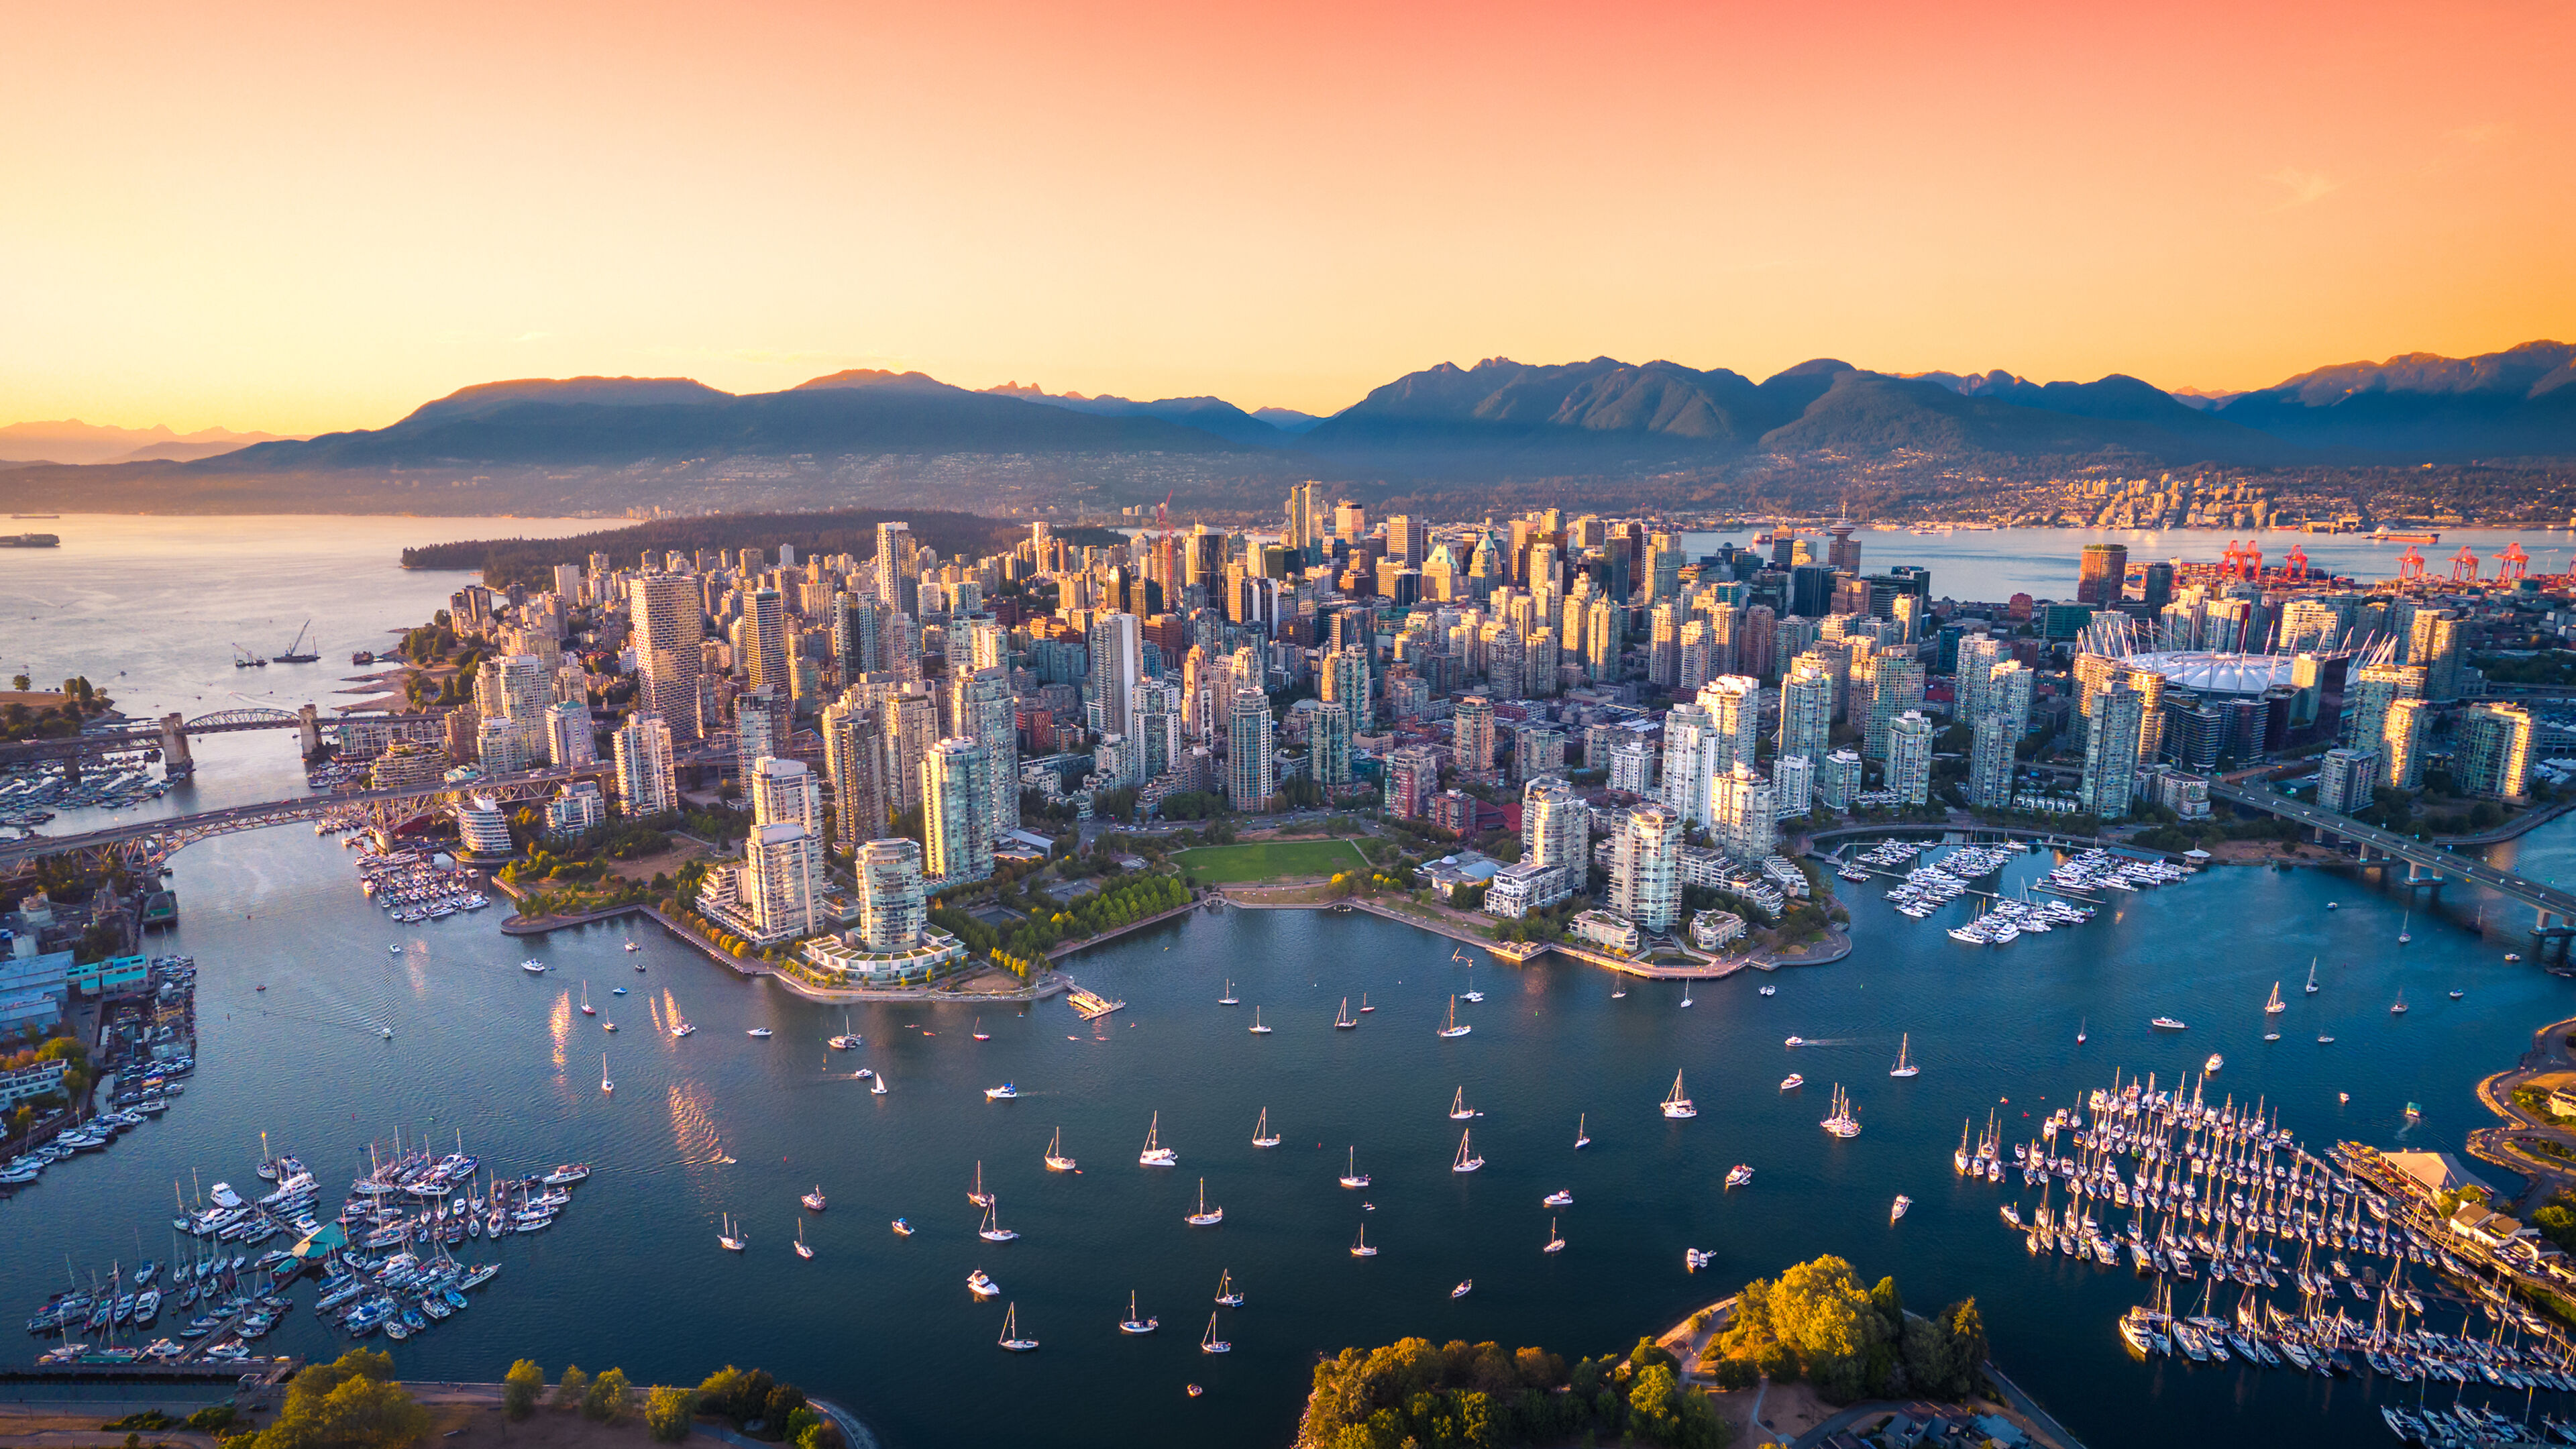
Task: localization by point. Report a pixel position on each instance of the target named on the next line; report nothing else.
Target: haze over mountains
(1602, 419)
(74, 441)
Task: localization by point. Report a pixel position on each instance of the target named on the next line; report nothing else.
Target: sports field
(1270, 860)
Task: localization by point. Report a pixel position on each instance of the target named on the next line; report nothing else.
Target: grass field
(1269, 860)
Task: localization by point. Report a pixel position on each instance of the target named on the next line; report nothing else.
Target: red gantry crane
(2512, 564)
(2464, 566)
(2410, 565)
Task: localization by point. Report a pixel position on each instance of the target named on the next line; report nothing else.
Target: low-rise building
(42, 1079)
(1601, 928)
(1524, 887)
(1713, 930)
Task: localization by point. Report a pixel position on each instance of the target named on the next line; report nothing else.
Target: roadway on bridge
(2505, 883)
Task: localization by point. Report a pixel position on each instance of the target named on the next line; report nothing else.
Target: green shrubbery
(1816, 1322)
(1417, 1395)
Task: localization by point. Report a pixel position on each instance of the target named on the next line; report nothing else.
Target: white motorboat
(1465, 1287)
(2167, 1023)
(1562, 1197)
(1003, 1093)
(1792, 1082)
(1796, 1041)
(1739, 1175)
(1898, 1209)
(759, 1033)
(1769, 991)
(533, 968)
(2214, 1063)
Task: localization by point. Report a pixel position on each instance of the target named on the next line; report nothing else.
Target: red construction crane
(2512, 564)
(2464, 566)
(2410, 565)
(2296, 565)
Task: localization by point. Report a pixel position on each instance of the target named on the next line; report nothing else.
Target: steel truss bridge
(170, 735)
(141, 846)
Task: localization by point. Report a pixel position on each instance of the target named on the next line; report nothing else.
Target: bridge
(2547, 901)
(141, 846)
(170, 735)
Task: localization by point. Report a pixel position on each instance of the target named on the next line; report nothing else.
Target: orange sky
(299, 217)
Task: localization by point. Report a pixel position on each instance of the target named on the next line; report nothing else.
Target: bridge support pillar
(176, 762)
(308, 730)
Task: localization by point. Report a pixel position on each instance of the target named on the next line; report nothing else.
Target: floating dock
(1093, 1005)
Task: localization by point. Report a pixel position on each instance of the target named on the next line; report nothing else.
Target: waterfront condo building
(892, 913)
(2111, 752)
(1838, 780)
(482, 829)
(1412, 778)
(576, 808)
(1250, 772)
(1990, 762)
(1645, 868)
(645, 784)
(782, 879)
(1742, 821)
(785, 792)
(2494, 751)
(2405, 735)
(2345, 779)
(1793, 786)
(1909, 757)
(956, 819)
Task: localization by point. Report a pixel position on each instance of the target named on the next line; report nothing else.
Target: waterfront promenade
(2517, 1145)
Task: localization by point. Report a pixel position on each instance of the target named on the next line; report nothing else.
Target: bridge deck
(2465, 867)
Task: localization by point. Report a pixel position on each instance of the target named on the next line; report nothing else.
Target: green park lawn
(1270, 860)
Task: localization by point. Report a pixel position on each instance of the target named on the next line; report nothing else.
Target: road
(2559, 903)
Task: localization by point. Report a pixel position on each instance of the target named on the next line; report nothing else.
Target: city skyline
(1282, 211)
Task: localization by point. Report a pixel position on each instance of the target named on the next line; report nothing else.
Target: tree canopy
(1816, 1321)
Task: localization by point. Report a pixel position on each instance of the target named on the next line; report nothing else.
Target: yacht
(1842, 1123)
(977, 1195)
(1904, 1067)
(1011, 1341)
(1562, 1197)
(586, 1008)
(2311, 987)
(1262, 1136)
(1555, 1241)
(2275, 1006)
(1582, 1139)
(1465, 1287)
(2167, 1023)
(1228, 998)
(1792, 1082)
(814, 1201)
(993, 1231)
(1205, 1217)
(1770, 991)
(1342, 1019)
(1739, 1175)
(1351, 1174)
(1365, 1008)
(1257, 1028)
(1136, 1322)
(1459, 1111)
(1210, 1343)
(1466, 1161)
(1898, 1209)
(730, 1238)
(2214, 1063)
(1361, 1248)
(1677, 1105)
(1452, 1028)
(1056, 1161)
(1226, 1294)
(802, 1250)
(845, 1041)
(759, 1033)
(533, 968)
(1155, 1153)
(1003, 1093)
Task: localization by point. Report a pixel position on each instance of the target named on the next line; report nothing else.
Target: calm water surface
(720, 1123)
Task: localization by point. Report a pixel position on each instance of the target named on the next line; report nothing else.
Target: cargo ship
(30, 540)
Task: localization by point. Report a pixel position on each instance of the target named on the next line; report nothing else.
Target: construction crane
(2464, 566)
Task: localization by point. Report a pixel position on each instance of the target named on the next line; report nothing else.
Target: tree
(667, 1412)
(520, 1388)
(572, 1389)
(606, 1403)
(351, 1403)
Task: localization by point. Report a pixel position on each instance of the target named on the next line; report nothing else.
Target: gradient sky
(301, 217)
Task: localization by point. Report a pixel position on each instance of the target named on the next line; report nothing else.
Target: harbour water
(720, 1123)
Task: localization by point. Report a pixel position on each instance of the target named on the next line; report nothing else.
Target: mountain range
(1602, 419)
(74, 441)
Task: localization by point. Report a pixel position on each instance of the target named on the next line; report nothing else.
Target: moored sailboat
(1904, 1064)
(1452, 1028)
(1056, 1161)
(1676, 1104)
(1466, 1161)
(1262, 1136)
(1155, 1153)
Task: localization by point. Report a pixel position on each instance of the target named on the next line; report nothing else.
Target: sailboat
(1842, 1123)
(1582, 1139)
(802, 1250)
(730, 1238)
(1343, 1019)
(1459, 1111)
(1136, 1322)
(877, 1085)
(1361, 1248)
(1155, 1153)
(1452, 1028)
(1686, 993)
(1011, 1341)
(993, 1231)
(1365, 1008)
(1210, 1343)
(2275, 1006)
(2399, 1009)
(980, 1033)
(1618, 988)
(605, 1084)
(586, 1008)
(1904, 1067)
(1677, 1105)
(1228, 998)
(1056, 1161)
(1351, 1174)
(1204, 1217)
(1555, 1241)
(1471, 993)
(976, 1194)
(1226, 1296)
(1262, 1136)
(1257, 1028)
(2312, 976)
(848, 1038)
(1466, 1160)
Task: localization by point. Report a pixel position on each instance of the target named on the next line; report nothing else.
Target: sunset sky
(304, 217)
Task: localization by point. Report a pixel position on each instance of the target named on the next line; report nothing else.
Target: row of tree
(1414, 1394)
